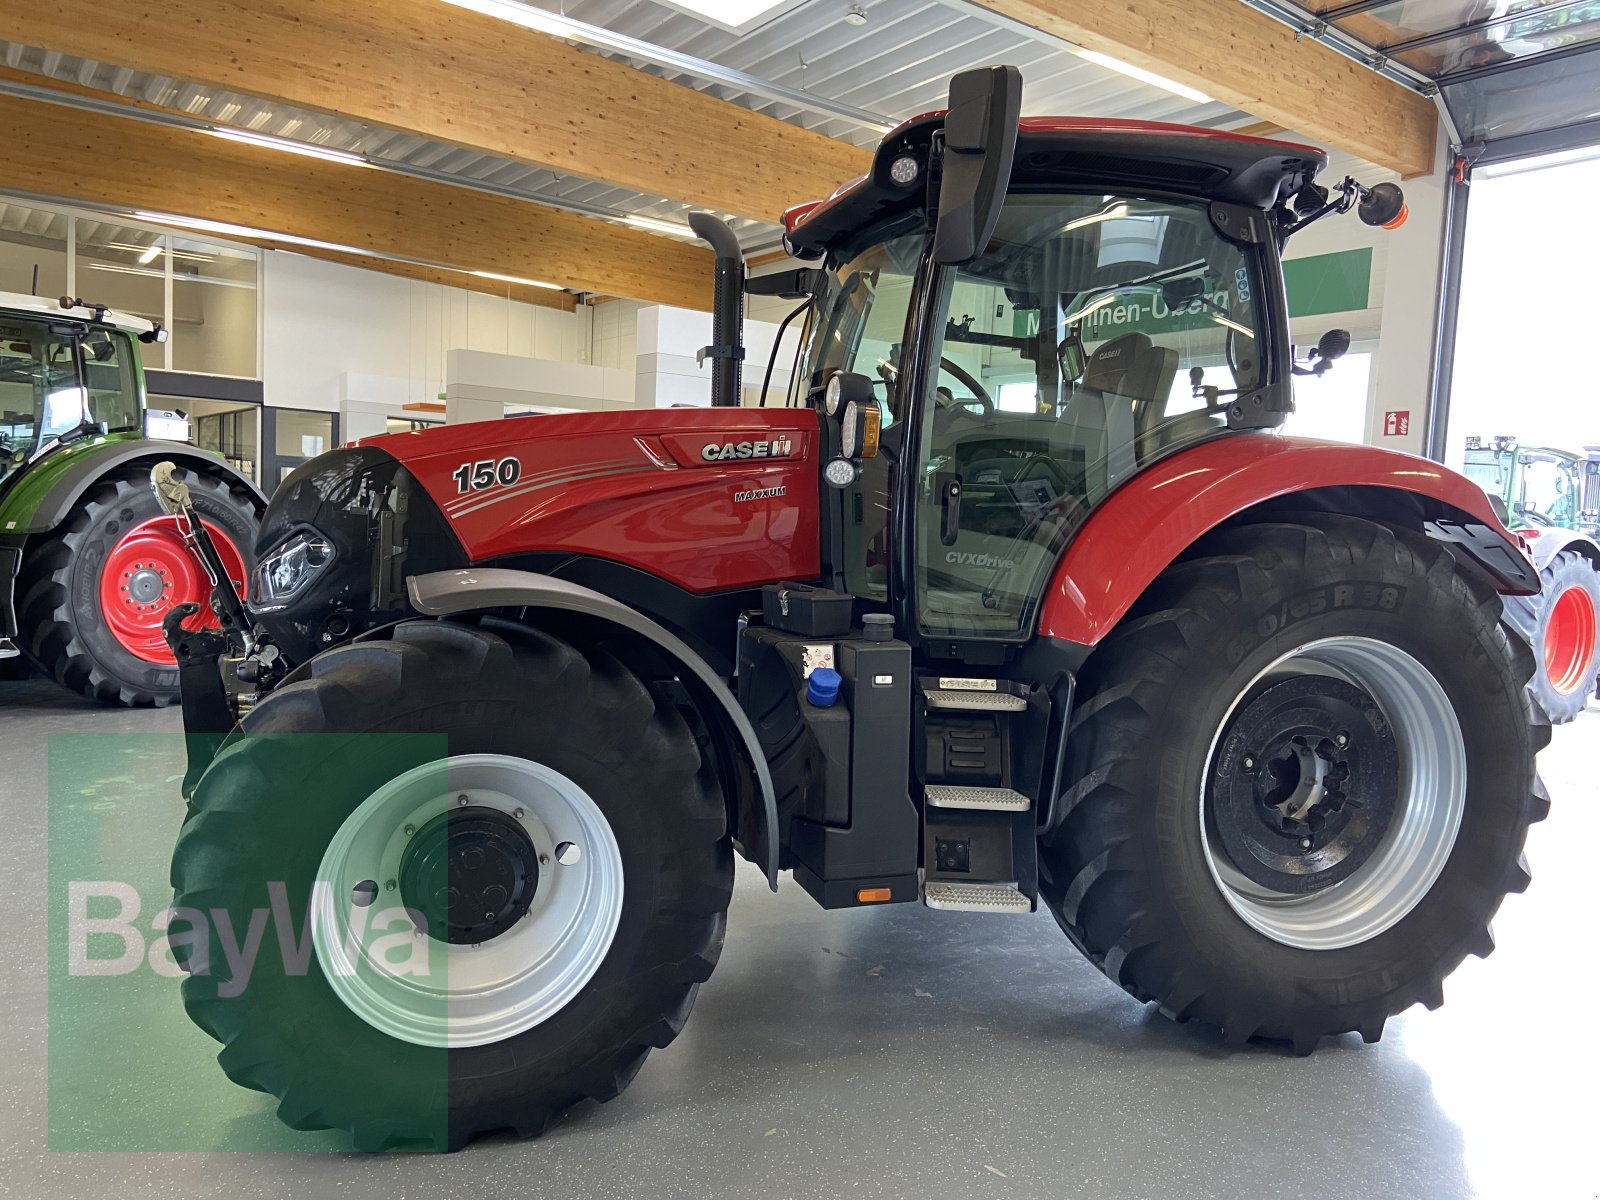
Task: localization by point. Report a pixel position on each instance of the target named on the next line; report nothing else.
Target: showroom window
(205, 293)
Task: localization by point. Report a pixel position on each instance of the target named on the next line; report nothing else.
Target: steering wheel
(980, 395)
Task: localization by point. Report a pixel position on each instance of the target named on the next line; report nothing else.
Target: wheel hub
(145, 585)
(1306, 784)
(472, 873)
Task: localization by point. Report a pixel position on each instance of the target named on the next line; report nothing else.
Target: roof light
(227, 229)
(554, 287)
(251, 138)
(670, 228)
(736, 16)
(1143, 76)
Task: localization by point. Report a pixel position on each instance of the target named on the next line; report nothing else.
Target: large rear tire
(1562, 626)
(1300, 777)
(573, 806)
(92, 593)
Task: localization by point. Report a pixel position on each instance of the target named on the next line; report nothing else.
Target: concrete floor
(896, 1052)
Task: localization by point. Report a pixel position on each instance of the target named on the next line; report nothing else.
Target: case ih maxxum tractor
(1023, 599)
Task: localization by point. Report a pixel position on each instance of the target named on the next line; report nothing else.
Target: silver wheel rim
(386, 970)
(1432, 798)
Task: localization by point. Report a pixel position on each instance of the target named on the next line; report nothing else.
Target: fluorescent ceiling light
(518, 14)
(122, 270)
(670, 228)
(149, 254)
(554, 287)
(227, 229)
(1143, 76)
(250, 138)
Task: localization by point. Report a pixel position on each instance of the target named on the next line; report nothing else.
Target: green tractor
(90, 566)
(1552, 498)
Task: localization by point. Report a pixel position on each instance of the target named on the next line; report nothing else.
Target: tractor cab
(1125, 302)
(66, 370)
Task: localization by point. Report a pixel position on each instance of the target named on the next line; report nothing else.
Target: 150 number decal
(485, 473)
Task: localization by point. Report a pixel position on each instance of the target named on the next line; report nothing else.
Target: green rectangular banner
(1329, 283)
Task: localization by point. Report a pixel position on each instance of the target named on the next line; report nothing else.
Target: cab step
(974, 701)
(975, 897)
(986, 799)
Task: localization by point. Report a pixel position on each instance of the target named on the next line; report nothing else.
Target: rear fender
(1150, 521)
(449, 593)
(1545, 544)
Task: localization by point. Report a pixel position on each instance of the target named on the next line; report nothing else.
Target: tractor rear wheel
(1562, 624)
(1300, 777)
(92, 593)
(496, 870)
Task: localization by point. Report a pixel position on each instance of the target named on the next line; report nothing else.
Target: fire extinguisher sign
(1397, 423)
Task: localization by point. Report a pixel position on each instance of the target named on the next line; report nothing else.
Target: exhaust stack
(726, 351)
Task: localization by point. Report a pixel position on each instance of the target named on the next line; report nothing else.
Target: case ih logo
(777, 448)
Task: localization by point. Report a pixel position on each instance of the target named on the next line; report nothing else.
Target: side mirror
(980, 140)
(1383, 206)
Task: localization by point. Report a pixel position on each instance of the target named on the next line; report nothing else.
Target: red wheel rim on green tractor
(1569, 640)
(147, 573)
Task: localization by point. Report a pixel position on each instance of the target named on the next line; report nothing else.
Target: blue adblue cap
(822, 689)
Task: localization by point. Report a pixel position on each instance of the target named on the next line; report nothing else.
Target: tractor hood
(705, 500)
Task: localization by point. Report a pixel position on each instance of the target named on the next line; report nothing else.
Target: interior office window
(213, 328)
(126, 269)
(231, 430)
(33, 250)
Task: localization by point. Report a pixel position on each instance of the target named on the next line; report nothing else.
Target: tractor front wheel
(1301, 774)
(1562, 624)
(487, 872)
(93, 592)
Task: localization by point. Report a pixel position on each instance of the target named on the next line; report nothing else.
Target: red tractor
(1022, 599)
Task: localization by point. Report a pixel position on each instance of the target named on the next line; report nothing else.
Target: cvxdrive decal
(779, 447)
(965, 558)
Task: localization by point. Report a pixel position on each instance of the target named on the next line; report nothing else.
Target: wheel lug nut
(1342, 740)
(461, 800)
(518, 814)
(409, 830)
(1305, 843)
(388, 885)
(1249, 763)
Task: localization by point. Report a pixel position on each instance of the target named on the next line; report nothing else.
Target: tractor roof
(1075, 153)
(35, 306)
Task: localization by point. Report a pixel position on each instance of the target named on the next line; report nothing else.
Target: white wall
(323, 321)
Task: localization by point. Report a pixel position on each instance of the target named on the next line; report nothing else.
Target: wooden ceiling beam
(451, 75)
(125, 163)
(1248, 60)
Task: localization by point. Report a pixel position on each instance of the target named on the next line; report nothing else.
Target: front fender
(1544, 544)
(1144, 525)
(445, 593)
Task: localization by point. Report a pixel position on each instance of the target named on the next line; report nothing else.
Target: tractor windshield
(40, 394)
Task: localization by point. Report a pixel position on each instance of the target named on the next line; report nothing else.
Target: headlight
(284, 574)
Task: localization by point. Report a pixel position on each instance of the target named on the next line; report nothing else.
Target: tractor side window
(39, 393)
(1095, 335)
(861, 329)
(112, 383)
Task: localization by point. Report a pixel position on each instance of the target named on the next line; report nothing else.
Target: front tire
(545, 764)
(1300, 777)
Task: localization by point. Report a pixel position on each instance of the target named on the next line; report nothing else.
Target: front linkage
(222, 672)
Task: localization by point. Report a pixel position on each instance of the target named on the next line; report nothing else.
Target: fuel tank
(708, 499)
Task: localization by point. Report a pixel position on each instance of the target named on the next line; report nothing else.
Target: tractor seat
(1126, 381)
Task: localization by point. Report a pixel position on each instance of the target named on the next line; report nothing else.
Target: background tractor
(89, 564)
(1552, 498)
(1022, 599)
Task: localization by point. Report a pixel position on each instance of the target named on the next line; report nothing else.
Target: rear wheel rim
(150, 571)
(539, 952)
(1569, 640)
(1428, 803)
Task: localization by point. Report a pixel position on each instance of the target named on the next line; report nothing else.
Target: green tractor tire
(92, 593)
